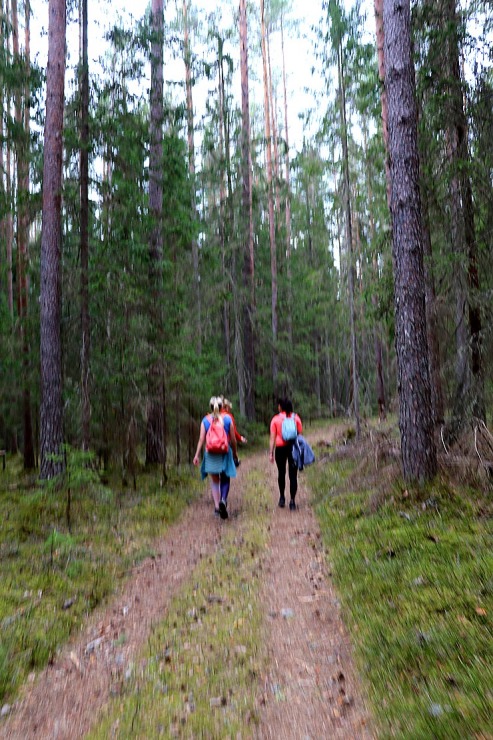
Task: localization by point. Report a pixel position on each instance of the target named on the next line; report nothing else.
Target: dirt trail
(310, 690)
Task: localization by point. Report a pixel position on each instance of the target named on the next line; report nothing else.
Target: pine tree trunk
(191, 166)
(377, 331)
(418, 451)
(270, 197)
(9, 227)
(51, 412)
(9, 235)
(380, 35)
(469, 398)
(288, 194)
(22, 150)
(274, 137)
(247, 371)
(4, 270)
(155, 440)
(224, 157)
(431, 324)
(349, 244)
(84, 235)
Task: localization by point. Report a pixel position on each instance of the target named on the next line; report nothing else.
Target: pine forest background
(200, 253)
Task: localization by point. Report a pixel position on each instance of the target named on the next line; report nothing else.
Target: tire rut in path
(311, 689)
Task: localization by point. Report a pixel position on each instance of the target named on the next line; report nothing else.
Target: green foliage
(414, 575)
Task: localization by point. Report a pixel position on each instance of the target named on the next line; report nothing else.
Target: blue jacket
(302, 452)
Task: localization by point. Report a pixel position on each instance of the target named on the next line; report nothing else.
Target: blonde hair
(216, 404)
(227, 404)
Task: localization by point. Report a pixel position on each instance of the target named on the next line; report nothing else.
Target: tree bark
(84, 235)
(155, 436)
(223, 157)
(270, 199)
(191, 166)
(51, 412)
(247, 369)
(469, 398)
(377, 331)
(418, 451)
(22, 150)
(380, 36)
(349, 241)
(288, 192)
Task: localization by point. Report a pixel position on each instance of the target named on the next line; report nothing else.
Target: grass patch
(56, 566)
(414, 570)
(198, 676)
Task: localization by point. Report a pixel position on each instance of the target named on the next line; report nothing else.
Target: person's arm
(200, 443)
(272, 443)
(299, 425)
(232, 439)
(239, 437)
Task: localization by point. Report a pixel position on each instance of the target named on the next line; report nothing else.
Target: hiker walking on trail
(284, 428)
(217, 435)
(225, 480)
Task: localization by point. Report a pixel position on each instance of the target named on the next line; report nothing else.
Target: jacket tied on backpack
(302, 453)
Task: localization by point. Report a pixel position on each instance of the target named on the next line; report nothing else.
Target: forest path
(311, 688)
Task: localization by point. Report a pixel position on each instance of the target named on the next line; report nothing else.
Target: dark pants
(224, 482)
(283, 456)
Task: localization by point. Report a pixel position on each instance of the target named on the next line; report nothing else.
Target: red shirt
(276, 427)
(235, 430)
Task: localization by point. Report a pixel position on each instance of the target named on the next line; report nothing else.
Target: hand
(196, 460)
(243, 440)
(236, 462)
(271, 457)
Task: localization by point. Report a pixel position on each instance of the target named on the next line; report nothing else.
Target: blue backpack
(289, 430)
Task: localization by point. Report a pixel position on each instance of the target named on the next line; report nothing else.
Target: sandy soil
(310, 690)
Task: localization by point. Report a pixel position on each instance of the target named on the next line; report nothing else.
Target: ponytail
(216, 405)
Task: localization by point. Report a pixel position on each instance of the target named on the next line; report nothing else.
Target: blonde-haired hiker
(225, 481)
(219, 455)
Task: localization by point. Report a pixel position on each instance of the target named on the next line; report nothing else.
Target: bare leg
(216, 494)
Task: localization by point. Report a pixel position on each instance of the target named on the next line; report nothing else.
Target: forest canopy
(189, 251)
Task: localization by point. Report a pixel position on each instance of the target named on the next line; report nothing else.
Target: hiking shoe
(292, 505)
(217, 513)
(223, 512)
(282, 502)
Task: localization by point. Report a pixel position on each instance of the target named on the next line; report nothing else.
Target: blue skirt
(214, 463)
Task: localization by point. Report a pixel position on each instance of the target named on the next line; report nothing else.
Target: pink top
(276, 426)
